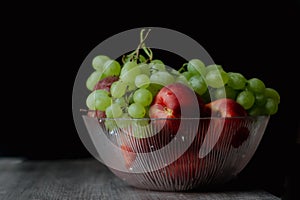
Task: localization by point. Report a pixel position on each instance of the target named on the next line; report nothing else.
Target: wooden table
(88, 179)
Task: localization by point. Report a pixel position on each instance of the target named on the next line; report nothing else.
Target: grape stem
(134, 56)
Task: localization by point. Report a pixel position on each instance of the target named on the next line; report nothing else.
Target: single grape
(93, 79)
(118, 89)
(272, 93)
(94, 96)
(236, 80)
(145, 69)
(271, 106)
(127, 67)
(111, 68)
(260, 99)
(225, 92)
(130, 75)
(124, 121)
(162, 78)
(216, 78)
(156, 61)
(183, 80)
(121, 101)
(256, 110)
(246, 99)
(142, 81)
(98, 62)
(187, 74)
(113, 111)
(196, 67)
(110, 124)
(136, 110)
(198, 84)
(102, 103)
(143, 97)
(256, 85)
(213, 67)
(157, 67)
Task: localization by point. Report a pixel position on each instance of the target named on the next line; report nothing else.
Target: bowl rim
(183, 118)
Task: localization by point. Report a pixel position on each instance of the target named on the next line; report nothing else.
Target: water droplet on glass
(182, 137)
(152, 147)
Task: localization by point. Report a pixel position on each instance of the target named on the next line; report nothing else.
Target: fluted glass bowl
(176, 154)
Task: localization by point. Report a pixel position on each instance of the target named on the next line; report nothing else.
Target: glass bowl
(176, 154)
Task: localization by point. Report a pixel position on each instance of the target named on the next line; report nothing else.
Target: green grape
(162, 78)
(130, 75)
(225, 92)
(110, 124)
(256, 85)
(111, 68)
(157, 67)
(124, 121)
(213, 67)
(145, 69)
(187, 75)
(130, 86)
(196, 67)
(136, 110)
(260, 99)
(98, 62)
(216, 78)
(198, 84)
(154, 88)
(118, 89)
(142, 81)
(271, 106)
(143, 97)
(246, 99)
(156, 61)
(93, 96)
(256, 110)
(93, 80)
(102, 103)
(236, 80)
(127, 67)
(183, 80)
(121, 101)
(113, 111)
(271, 93)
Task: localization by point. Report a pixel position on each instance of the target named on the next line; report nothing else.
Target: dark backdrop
(45, 47)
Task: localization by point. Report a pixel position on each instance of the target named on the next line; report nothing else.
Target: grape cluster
(213, 82)
(136, 84)
(132, 93)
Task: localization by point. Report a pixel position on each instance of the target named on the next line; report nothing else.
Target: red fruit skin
(166, 103)
(165, 110)
(96, 114)
(233, 126)
(105, 83)
(225, 107)
(128, 155)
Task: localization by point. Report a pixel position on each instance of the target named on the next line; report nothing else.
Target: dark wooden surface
(89, 179)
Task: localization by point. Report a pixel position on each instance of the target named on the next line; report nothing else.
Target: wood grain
(89, 179)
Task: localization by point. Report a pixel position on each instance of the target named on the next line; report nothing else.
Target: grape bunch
(213, 82)
(127, 89)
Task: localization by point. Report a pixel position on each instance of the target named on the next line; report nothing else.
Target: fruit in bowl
(177, 129)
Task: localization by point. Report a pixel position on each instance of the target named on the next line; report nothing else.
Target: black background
(45, 45)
